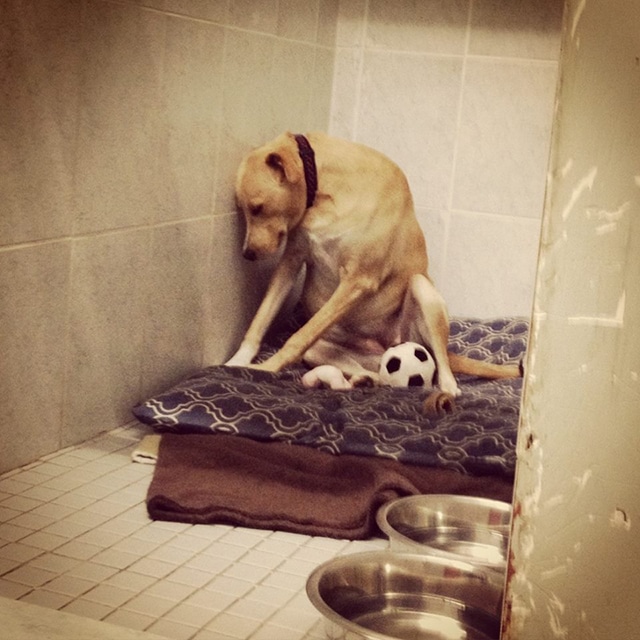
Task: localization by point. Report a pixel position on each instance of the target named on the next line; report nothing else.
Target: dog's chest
(324, 253)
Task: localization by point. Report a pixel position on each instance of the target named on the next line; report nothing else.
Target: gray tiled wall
(121, 127)
(461, 94)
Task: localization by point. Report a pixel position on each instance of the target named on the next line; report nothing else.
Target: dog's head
(271, 193)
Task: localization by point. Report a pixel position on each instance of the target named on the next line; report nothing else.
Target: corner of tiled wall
(119, 242)
(460, 94)
(123, 126)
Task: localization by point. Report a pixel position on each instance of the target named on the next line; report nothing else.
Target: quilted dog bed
(478, 438)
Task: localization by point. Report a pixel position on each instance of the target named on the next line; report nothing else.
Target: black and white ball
(408, 364)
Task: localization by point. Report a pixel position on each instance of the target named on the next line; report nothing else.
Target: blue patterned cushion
(478, 437)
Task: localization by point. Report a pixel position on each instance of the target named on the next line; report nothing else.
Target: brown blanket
(206, 479)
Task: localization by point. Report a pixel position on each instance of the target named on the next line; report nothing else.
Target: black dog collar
(308, 158)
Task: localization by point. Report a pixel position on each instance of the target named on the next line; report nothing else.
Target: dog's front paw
(449, 387)
(325, 376)
(242, 357)
(365, 380)
(438, 403)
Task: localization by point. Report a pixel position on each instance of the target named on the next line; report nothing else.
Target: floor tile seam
(62, 494)
(196, 627)
(255, 549)
(64, 540)
(94, 583)
(211, 622)
(255, 586)
(70, 575)
(33, 466)
(178, 568)
(284, 630)
(5, 575)
(109, 618)
(116, 606)
(67, 540)
(96, 451)
(239, 561)
(43, 592)
(26, 474)
(81, 601)
(167, 578)
(34, 557)
(75, 578)
(157, 553)
(199, 627)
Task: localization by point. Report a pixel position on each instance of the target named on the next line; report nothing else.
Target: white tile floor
(75, 536)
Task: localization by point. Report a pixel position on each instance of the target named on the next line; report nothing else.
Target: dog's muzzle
(253, 250)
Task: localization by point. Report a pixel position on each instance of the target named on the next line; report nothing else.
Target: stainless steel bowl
(455, 527)
(381, 595)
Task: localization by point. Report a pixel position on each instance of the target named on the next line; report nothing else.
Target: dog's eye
(255, 210)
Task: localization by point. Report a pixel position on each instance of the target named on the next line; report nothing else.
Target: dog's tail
(483, 369)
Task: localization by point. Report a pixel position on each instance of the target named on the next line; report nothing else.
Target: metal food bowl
(455, 527)
(381, 595)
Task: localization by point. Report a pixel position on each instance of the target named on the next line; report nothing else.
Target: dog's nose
(249, 254)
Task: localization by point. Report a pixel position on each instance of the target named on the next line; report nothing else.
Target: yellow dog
(345, 213)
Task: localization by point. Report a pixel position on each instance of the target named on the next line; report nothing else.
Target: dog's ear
(287, 164)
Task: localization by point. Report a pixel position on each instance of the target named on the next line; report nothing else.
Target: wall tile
(213, 10)
(351, 23)
(235, 288)
(106, 321)
(117, 178)
(247, 113)
(435, 26)
(175, 302)
(520, 28)
(272, 98)
(130, 118)
(344, 104)
(319, 112)
(327, 22)
(298, 20)
(484, 149)
(191, 114)
(490, 265)
(504, 137)
(152, 4)
(39, 62)
(408, 110)
(292, 86)
(33, 297)
(255, 15)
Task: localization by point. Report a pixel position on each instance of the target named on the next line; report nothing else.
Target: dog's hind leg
(430, 325)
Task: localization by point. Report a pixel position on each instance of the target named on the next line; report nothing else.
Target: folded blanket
(205, 479)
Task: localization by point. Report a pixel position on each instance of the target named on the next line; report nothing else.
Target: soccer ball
(408, 364)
